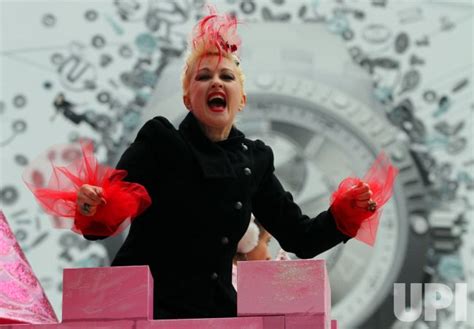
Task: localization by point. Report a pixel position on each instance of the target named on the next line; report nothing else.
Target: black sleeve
(140, 158)
(275, 209)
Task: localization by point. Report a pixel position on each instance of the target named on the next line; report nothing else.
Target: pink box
(218, 323)
(107, 293)
(318, 321)
(333, 324)
(296, 287)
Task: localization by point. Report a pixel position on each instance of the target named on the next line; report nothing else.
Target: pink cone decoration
(22, 299)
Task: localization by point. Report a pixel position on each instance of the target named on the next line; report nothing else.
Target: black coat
(202, 196)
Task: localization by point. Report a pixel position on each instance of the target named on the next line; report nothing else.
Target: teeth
(214, 96)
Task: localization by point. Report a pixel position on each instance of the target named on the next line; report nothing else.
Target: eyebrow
(205, 69)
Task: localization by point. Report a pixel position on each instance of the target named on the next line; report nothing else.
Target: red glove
(356, 206)
(58, 196)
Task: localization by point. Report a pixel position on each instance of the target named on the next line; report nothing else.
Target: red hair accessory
(216, 31)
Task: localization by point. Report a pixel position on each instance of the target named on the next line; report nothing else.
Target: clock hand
(314, 146)
(314, 189)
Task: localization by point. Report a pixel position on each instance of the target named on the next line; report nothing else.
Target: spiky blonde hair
(213, 35)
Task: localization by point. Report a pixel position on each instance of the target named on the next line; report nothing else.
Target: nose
(216, 82)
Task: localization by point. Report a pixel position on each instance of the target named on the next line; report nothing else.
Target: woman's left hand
(361, 197)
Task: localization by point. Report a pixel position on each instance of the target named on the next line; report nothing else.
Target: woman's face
(261, 251)
(215, 93)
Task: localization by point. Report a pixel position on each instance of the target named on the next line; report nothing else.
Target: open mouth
(217, 102)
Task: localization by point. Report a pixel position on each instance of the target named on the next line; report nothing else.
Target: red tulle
(354, 221)
(68, 168)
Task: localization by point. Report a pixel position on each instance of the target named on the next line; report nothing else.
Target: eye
(202, 77)
(227, 77)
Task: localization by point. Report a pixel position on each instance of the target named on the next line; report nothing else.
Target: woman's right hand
(89, 197)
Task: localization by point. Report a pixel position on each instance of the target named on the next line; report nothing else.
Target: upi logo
(437, 296)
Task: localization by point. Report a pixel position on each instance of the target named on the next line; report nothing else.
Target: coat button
(247, 171)
(238, 205)
(244, 147)
(225, 240)
(214, 276)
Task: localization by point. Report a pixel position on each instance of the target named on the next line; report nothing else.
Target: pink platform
(272, 295)
(298, 289)
(102, 298)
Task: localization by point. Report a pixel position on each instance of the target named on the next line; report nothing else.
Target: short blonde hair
(214, 34)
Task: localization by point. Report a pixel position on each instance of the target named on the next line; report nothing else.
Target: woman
(204, 179)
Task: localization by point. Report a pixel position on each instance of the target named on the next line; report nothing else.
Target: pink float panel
(297, 287)
(218, 323)
(22, 299)
(269, 322)
(124, 292)
(102, 297)
(125, 324)
(318, 321)
(273, 322)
